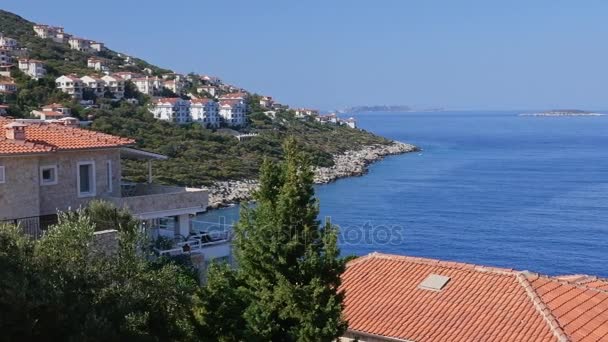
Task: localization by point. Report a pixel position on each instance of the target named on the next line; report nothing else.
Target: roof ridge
(436, 262)
(542, 308)
(584, 286)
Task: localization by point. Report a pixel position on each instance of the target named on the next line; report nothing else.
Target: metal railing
(28, 225)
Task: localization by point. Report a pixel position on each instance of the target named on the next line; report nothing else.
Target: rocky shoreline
(351, 163)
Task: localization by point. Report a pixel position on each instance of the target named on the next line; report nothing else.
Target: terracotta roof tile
(477, 304)
(47, 137)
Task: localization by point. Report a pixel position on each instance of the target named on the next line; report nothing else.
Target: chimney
(15, 131)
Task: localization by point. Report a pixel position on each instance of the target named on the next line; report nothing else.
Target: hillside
(199, 156)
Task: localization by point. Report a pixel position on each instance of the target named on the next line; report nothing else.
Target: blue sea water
(489, 188)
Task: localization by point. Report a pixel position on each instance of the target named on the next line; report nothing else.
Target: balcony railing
(151, 198)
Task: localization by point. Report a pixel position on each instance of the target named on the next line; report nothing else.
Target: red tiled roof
(45, 137)
(171, 100)
(382, 297)
(203, 101)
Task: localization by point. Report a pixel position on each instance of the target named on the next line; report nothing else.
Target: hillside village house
(5, 57)
(174, 85)
(70, 85)
(97, 64)
(205, 112)
(116, 85)
(49, 167)
(329, 118)
(7, 87)
(304, 112)
(266, 101)
(173, 109)
(7, 43)
(79, 44)
(211, 90)
(400, 298)
(126, 75)
(350, 122)
(51, 32)
(95, 84)
(147, 85)
(53, 111)
(32, 67)
(233, 112)
(96, 46)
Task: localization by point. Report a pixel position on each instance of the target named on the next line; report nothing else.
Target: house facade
(96, 46)
(115, 85)
(7, 43)
(70, 85)
(5, 57)
(51, 32)
(79, 44)
(51, 167)
(211, 90)
(8, 87)
(233, 112)
(205, 112)
(97, 64)
(95, 84)
(173, 109)
(33, 68)
(147, 85)
(53, 111)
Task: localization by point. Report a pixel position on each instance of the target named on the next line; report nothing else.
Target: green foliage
(289, 266)
(59, 289)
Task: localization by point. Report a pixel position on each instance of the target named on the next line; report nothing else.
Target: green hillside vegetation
(199, 156)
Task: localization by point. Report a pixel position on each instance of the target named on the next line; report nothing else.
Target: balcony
(149, 201)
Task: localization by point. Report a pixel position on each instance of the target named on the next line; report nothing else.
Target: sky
(328, 54)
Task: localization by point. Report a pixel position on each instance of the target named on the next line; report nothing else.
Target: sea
(489, 187)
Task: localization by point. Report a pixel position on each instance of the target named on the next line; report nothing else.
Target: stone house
(51, 167)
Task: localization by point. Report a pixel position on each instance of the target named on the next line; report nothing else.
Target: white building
(33, 68)
(116, 85)
(8, 87)
(330, 118)
(350, 122)
(79, 44)
(211, 90)
(50, 32)
(5, 57)
(71, 85)
(97, 64)
(172, 109)
(233, 112)
(175, 85)
(266, 101)
(7, 43)
(95, 84)
(304, 112)
(205, 112)
(96, 46)
(147, 85)
(127, 75)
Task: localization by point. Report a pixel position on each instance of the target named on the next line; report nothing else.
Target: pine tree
(289, 264)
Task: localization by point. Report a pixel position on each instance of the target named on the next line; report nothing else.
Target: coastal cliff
(348, 164)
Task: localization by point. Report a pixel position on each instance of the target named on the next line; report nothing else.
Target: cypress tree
(289, 265)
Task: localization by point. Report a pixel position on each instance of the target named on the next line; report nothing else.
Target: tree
(289, 266)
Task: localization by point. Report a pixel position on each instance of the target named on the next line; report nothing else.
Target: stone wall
(105, 242)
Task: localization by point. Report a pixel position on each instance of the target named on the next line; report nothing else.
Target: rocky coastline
(349, 164)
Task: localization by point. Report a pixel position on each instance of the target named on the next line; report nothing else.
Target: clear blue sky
(534, 54)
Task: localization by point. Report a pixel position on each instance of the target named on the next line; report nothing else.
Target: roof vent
(15, 131)
(434, 282)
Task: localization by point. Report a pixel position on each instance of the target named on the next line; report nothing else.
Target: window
(2, 175)
(48, 175)
(109, 175)
(86, 179)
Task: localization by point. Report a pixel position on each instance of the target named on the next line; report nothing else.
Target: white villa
(7, 43)
(304, 112)
(8, 87)
(116, 85)
(126, 75)
(147, 85)
(70, 85)
(79, 44)
(266, 101)
(205, 112)
(350, 122)
(211, 90)
(233, 112)
(172, 109)
(96, 46)
(96, 63)
(50, 32)
(33, 68)
(97, 85)
(175, 85)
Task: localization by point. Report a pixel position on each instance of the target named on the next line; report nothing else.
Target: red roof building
(399, 298)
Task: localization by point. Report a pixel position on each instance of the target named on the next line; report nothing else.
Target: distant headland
(387, 108)
(563, 112)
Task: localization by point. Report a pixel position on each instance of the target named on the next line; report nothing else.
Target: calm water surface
(489, 188)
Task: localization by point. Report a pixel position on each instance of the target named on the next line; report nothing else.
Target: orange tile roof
(383, 298)
(48, 137)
